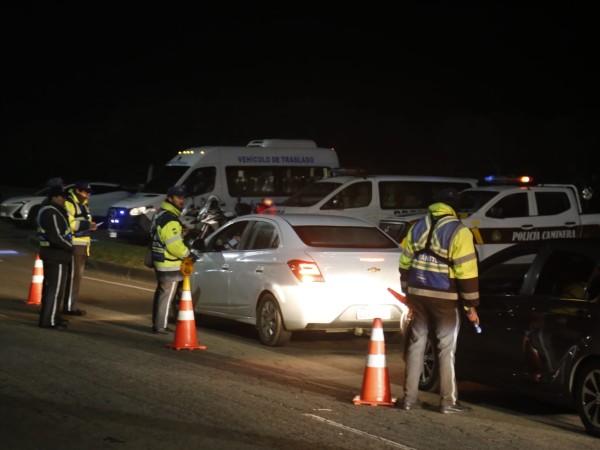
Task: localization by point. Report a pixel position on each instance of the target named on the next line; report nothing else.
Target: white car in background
(22, 210)
(297, 272)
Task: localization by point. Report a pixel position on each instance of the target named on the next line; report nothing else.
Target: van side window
(201, 181)
(357, 195)
(413, 195)
(275, 181)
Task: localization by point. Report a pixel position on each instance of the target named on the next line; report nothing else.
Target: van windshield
(311, 194)
(168, 176)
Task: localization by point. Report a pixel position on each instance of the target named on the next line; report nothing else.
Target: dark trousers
(53, 290)
(75, 274)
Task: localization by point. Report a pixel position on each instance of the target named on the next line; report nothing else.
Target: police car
(516, 210)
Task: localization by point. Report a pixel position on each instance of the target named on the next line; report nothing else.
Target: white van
(370, 197)
(271, 168)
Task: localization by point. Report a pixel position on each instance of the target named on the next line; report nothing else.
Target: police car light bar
(498, 179)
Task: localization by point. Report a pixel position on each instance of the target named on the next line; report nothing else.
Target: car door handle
(527, 226)
(259, 269)
(225, 267)
(570, 224)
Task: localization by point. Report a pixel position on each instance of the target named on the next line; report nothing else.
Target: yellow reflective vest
(439, 258)
(79, 222)
(168, 246)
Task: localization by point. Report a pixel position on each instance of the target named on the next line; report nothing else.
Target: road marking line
(120, 284)
(354, 430)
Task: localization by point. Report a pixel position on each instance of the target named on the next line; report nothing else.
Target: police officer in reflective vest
(438, 272)
(168, 251)
(56, 248)
(81, 223)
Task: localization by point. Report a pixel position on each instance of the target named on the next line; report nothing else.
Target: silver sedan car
(289, 273)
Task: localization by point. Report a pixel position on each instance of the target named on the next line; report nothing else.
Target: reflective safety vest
(168, 246)
(439, 258)
(79, 220)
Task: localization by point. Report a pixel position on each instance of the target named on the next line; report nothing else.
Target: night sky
(101, 90)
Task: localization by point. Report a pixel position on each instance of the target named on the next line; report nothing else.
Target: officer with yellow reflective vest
(438, 272)
(81, 223)
(169, 249)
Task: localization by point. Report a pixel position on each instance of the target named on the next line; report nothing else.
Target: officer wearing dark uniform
(55, 252)
(168, 251)
(438, 267)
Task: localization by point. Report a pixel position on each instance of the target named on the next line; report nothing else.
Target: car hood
(23, 199)
(139, 199)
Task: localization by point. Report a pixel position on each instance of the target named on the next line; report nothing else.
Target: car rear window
(344, 237)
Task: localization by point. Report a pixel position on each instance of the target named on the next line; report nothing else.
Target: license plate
(112, 234)
(373, 312)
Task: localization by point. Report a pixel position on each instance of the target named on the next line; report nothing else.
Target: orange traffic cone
(185, 332)
(37, 282)
(376, 382)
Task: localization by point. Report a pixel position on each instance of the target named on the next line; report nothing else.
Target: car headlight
(141, 210)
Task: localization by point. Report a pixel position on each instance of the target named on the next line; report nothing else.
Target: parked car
(540, 315)
(22, 210)
(298, 272)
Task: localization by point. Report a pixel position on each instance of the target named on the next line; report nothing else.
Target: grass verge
(118, 253)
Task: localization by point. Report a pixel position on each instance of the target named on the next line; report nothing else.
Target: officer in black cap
(55, 252)
(169, 249)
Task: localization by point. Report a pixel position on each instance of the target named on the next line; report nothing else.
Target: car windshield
(311, 194)
(471, 201)
(344, 237)
(167, 177)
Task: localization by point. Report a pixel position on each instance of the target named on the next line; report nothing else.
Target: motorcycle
(202, 221)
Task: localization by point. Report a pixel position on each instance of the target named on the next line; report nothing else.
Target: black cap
(83, 186)
(175, 191)
(57, 191)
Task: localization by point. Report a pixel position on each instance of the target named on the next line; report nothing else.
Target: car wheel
(587, 397)
(430, 380)
(269, 322)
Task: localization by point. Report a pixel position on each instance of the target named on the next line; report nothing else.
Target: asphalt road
(108, 383)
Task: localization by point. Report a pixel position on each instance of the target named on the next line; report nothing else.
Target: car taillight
(305, 271)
